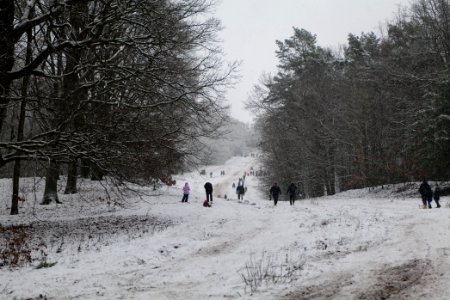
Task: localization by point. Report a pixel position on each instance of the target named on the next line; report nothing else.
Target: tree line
(376, 111)
(106, 87)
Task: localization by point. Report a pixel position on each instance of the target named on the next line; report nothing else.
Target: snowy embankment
(354, 245)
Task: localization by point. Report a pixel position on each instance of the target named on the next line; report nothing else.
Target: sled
(422, 206)
(447, 204)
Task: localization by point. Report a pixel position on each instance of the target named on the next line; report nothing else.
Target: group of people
(208, 189)
(240, 191)
(222, 173)
(275, 192)
(425, 191)
(427, 194)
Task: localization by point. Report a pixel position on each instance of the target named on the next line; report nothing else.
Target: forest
(118, 88)
(374, 112)
(135, 90)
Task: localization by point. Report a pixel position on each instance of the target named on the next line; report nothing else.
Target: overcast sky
(252, 26)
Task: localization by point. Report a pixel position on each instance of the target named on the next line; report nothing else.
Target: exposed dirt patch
(85, 233)
(324, 291)
(228, 245)
(392, 282)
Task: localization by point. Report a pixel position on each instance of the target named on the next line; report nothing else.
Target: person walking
(274, 192)
(437, 195)
(426, 193)
(292, 192)
(209, 190)
(186, 191)
(240, 191)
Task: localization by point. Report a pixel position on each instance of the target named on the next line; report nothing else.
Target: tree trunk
(337, 183)
(85, 168)
(17, 163)
(15, 194)
(71, 185)
(96, 173)
(20, 129)
(6, 55)
(325, 189)
(51, 184)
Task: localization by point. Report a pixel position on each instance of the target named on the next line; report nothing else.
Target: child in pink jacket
(186, 190)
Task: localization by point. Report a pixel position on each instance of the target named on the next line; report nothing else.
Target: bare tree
(123, 85)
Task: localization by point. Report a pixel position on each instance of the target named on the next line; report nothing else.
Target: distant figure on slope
(209, 191)
(437, 195)
(274, 192)
(292, 192)
(186, 191)
(240, 191)
(426, 193)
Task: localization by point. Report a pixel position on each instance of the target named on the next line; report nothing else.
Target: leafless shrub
(18, 247)
(269, 269)
(15, 251)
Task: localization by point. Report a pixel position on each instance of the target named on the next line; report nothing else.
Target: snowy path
(349, 246)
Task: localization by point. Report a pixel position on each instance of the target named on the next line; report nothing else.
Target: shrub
(16, 251)
(269, 269)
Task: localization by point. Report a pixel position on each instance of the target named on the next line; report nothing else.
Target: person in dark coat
(274, 192)
(209, 191)
(426, 193)
(437, 195)
(240, 191)
(292, 192)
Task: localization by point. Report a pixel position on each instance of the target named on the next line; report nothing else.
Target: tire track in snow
(209, 258)
(401, 278)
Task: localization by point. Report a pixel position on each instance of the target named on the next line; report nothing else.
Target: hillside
(354, 245)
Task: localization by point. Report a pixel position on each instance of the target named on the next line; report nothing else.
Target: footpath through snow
(355, 245)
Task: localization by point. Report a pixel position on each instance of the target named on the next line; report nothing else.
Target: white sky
(252, 26)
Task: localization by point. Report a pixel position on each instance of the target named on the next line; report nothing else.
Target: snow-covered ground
(354, 245)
